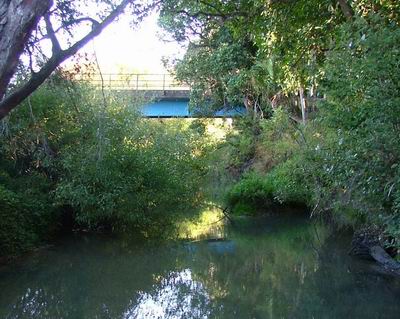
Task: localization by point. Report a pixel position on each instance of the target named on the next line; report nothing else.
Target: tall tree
(265, 53)
(26, 25)
(257, 50)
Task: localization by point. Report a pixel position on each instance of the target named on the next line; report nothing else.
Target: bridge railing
(138, 81)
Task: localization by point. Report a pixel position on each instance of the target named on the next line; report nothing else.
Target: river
(269, 267)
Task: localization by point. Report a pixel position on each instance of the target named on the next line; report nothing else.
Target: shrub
(26, 215)
(253, 192)
(140, 175)
(291, 182)
(356, 166)
(68, 147)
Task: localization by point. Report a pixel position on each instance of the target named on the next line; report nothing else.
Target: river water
(271, 267)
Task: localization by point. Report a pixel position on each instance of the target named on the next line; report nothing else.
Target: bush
(252, 193)
(241, 144)
(356, 166)
(142, 179)
(291, 183)
(286, 184)
(69, 149)
(279, 140)
(26, 215)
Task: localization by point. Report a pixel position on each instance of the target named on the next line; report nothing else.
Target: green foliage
(357, 164)
(239, 148)
(253, 192)
(279, 139)
(260, 54)
(69, 149)
(29, 144)
(283, 185)
(346, 160)
(277, 171)
(144, 177)
(220, 63)
(26, 215)
(69, 145)
(291, 182)
(250, 51)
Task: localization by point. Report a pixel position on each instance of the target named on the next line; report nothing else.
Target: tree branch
(56, 48)
(77, 21)
(15, 98)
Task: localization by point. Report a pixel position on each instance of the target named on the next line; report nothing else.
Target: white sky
(121, 48)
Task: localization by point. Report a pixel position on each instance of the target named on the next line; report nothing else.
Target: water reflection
(176, 296)
(266, 268)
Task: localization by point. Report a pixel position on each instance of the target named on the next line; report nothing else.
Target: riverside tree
(27, 28)
(262, 53)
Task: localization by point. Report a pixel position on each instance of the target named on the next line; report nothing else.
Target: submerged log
(362, 241)
(368, 244)
(385, 260)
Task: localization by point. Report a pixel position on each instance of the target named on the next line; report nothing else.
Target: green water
(276, 267)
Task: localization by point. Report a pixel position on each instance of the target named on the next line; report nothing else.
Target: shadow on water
(271, 267)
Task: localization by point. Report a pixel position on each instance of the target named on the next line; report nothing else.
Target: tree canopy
(259, 52)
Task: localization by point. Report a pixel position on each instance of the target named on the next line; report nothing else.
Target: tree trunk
(303, 106)
(17, 20)
(346, 9)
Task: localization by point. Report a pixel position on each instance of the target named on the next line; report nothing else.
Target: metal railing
(139, 81)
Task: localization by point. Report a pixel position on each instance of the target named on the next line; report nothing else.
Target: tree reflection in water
(265, 268)
(177, 296)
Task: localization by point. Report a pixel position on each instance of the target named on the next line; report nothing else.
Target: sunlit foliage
(73, 155)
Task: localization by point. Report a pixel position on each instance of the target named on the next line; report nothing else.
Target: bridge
(157, 86)
(170, 98)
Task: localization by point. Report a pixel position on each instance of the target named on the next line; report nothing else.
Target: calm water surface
(276, 267)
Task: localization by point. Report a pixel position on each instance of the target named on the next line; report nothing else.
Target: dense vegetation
(72, 158)
(320, 80)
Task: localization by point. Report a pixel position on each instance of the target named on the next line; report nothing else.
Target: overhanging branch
(20, 94)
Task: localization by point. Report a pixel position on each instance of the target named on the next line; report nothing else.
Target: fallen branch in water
(224, 212)
(367, 244)
(385, 260)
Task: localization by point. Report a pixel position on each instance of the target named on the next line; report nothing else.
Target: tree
(251, 51)
(26, 27)
(221, 53)
(261, 52)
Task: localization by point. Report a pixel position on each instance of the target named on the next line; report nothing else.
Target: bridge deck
(180, 109)
(171, 96)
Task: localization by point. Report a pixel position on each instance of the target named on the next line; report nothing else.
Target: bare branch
(56, 48)
(77, 21)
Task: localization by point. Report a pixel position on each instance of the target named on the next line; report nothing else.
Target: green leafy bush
(356, 165)
(143, 178)
(252, 193)
(71, 149)
(240, 146)
(291, 183)
(286, 184)
(26, 214)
